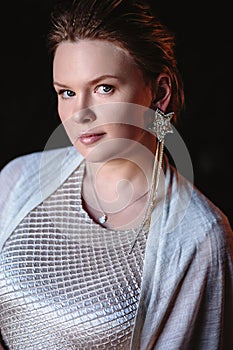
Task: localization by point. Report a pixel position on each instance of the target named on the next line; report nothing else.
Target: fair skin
(102, 97)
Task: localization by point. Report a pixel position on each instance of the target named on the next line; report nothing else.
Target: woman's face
(102, 96)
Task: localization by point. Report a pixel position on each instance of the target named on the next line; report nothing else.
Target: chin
(119, 148)
(100, 156)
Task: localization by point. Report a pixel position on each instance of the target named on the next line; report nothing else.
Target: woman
(104, 245)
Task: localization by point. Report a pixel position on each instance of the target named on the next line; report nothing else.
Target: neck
(118, 189)
(118, 177)
(113, 189)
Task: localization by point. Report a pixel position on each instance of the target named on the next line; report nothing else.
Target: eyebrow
(92, 82)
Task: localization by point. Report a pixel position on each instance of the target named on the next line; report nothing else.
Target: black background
(204, 45)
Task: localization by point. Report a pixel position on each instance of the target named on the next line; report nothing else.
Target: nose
(84, 116)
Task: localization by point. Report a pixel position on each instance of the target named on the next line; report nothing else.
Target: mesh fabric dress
(66, 282)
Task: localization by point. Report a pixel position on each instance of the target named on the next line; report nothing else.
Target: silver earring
(161, 124)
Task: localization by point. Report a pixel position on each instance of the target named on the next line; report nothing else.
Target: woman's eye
(104, 89)
(66, 93)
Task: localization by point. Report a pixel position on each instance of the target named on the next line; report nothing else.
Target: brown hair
(131, 25)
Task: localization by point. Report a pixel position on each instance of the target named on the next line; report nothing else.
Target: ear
(162, 92)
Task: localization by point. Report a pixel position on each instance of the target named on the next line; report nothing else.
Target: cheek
(134, 132)
(70, 127)
(121, 131)
(145, 97)
(64, 111)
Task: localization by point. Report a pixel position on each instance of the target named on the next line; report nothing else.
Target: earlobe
(162, 92)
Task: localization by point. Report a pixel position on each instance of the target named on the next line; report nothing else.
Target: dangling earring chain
(104, 217)
(160, 127)
(155, 175)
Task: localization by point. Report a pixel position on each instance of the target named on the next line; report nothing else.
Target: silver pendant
(103, 219)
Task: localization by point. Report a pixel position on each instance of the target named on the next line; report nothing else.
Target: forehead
(91, 57)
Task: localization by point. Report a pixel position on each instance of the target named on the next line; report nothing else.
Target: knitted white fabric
(67, 282)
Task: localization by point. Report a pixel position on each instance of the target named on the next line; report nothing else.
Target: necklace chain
(104, 216)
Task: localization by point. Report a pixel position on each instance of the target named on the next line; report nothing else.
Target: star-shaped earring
(161, 124)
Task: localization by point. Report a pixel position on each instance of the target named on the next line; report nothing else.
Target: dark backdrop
(204, 41)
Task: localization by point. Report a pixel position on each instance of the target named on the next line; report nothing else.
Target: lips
(90, 138)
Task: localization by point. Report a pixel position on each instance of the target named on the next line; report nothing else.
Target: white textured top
(67, 282)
